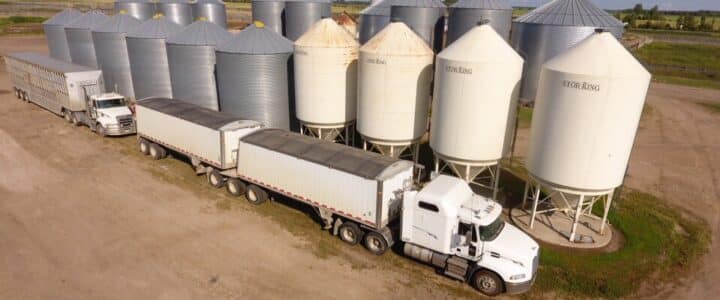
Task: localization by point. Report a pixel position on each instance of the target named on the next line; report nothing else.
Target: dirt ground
(80, 218)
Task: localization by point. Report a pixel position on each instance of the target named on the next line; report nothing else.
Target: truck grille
(125, 121)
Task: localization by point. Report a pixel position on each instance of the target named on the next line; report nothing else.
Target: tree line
(653, 18)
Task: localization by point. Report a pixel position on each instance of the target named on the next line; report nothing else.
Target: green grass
(684, 64)
(20, 20)
(660, 241)
(524, 117)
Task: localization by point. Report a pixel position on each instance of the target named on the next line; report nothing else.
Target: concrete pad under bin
(554, 229)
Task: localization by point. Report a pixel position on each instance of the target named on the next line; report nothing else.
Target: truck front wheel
(100, 130)
(255, 194)
(375, 243)
(350, 233)
(216, 179)
(487, 283)
(236, 187)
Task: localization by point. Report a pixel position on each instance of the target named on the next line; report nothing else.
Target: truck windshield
(110, 103)
(492, 230)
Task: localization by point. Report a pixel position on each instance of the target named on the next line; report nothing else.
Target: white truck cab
(107, 114)
(447, 225)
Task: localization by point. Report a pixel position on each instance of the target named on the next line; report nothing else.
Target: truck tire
(215, 179)
(75, 120)
(375, 243)
(17, 93)
(100, 130)
(487, 282)
(144, 146)
(236, 187)
(350, 233)
(255, 194)
(156, 151)
(67, 115)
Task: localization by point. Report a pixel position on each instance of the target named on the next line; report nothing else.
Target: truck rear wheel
(487, 283)
(157, 152)
(350, 233)
(255, 194)
(216, 179)
(375, 243)
(144, 146)
(67, 116)
(236, 187)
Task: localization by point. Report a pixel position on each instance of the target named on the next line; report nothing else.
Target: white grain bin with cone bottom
(54, 29)
(325, 60)
(191, 58)
(394, 81)
(477, 80)
(112, 53)
(587, 111)
(79, 38)
(148, 57)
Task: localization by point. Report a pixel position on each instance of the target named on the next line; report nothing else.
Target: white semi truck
(362, 197)
(73, 91)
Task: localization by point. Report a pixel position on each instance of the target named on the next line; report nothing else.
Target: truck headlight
(517, 277)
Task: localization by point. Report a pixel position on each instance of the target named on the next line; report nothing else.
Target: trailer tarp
(189, 112)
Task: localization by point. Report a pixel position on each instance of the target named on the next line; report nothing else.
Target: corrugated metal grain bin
(373, 19)
(112, 55)
(326, 78)
(425, 17)
(466, 14)
(254, 78)
(191, 57)
(550, 30)
(147, 54)
(211, 10)
(178, 11)
(140, 9)
(79, 38)
(55, 33)
(270, 12)
(301, 14)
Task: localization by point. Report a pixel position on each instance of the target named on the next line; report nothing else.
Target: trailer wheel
(75, 120)
(67, 116)
(350, 233)
(156, 151)
(216, 179)
(17, 93)
(236, 187)
(375, 243)
(255, 194)
(487, 283)
(144, 146)
(25, 97)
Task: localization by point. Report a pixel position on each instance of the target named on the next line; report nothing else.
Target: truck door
(89, 91)
(466, 245)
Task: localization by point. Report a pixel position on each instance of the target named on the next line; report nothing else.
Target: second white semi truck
(362, 197)
(72, 91)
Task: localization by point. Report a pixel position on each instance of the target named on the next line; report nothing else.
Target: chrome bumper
(514, 288)
(121, 131)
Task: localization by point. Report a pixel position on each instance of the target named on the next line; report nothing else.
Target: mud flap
(326, 216)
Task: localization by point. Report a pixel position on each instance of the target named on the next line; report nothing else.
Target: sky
(620, 4)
